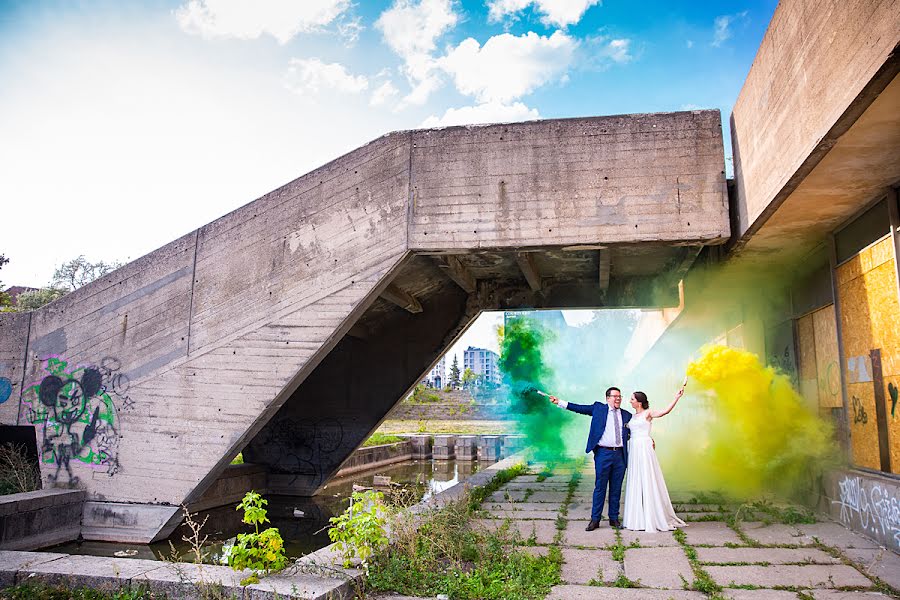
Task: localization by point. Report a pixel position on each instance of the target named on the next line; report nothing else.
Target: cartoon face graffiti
(68, 398)
(68, 431)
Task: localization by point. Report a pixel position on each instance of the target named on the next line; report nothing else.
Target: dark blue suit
(609, 465)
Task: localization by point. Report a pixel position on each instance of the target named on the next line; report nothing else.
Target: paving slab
(186, 580)
(585, 592)
(836, 535)
(583, 566)
(696, 517)
(843, 595)
(516, 506)
(543, 531)
(789, 575)
(542, 486)
(879, 562)
(90, 571)
(12, 561)
(774, 556)
(710, 533)
(556, 497)
(773, 535)
(507, 496)
(581, 513)
(761, 594)
(648, 540)
(658, 567)
(300, 586)
(575, 535)
(523, 514)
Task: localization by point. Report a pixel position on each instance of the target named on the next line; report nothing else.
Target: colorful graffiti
(5, 389)
(73, 411)
(875, 508)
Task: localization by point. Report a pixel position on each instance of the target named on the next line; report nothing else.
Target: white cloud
(282, 19)
(349, 30)
(722, 31)
(555, 12)
(383, 93)
(690, 106)
(508, 67)
(411, 29)
(492, 112)
(617, 51)
(311, 76)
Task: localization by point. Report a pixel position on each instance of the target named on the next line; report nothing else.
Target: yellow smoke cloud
(748, 431)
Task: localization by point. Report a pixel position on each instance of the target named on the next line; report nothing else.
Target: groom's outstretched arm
(583, 409)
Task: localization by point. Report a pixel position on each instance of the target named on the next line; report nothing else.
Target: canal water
(419, 479)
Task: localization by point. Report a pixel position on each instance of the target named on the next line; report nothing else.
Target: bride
(647, 503)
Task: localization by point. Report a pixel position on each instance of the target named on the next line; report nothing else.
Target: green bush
(257, 551)
(361, 530)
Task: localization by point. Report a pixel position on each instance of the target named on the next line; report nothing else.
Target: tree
(79, 271)
(454, 373)
(4, 297)
(469, 378)
(38, 298)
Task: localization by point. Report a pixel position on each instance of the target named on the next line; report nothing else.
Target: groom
(607, 439)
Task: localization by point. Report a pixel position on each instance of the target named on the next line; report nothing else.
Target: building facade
(483, 363)
(437, 376)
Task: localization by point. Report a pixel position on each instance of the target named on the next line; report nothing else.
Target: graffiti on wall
(74, 413)
(307, 450)
(893, 393)
(859, 411)
(5, 389)
(872, 505)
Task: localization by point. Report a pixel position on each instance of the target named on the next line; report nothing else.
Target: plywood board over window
(870, 321)
(817, 349)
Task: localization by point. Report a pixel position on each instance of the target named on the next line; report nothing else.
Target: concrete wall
(820, 64)
(33, 520)
(867, 503)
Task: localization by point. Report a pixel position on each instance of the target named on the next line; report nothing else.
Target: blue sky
(124, 125)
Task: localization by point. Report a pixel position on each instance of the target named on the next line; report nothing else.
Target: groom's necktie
(618, 427)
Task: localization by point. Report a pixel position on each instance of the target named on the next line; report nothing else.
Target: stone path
(715, 556)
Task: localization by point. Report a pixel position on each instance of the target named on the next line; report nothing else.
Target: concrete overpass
(290, 327)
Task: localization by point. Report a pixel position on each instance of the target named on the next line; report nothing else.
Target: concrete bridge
(290, 327)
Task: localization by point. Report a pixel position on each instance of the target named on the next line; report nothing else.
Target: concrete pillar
(467, 447)
(421, 446)
(444, 447)
(490, 448)
(512, 443)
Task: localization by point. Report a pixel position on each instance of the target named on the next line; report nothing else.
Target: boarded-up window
(817, 348)
(870, 328)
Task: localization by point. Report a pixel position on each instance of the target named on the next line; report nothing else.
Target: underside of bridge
(430, 300)
(289, 328)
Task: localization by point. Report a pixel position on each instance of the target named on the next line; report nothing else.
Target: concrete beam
(605, 257)
(526, 264)
(402, 298)
(456, 271)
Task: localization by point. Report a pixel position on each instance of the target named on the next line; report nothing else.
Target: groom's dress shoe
(592, 525)
(615, 523)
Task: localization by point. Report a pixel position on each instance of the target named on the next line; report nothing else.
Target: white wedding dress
(647, 503)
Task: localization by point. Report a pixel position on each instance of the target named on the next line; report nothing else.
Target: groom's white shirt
(608, 438)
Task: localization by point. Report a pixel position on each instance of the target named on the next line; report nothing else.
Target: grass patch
(379, 439)
(702, 580)
(623, 582)
(442, 553)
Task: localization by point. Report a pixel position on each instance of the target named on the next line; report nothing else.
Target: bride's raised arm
(661, 413)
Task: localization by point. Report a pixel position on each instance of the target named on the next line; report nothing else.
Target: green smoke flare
(525, 372)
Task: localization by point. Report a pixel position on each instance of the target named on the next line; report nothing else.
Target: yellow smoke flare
(753, 432)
